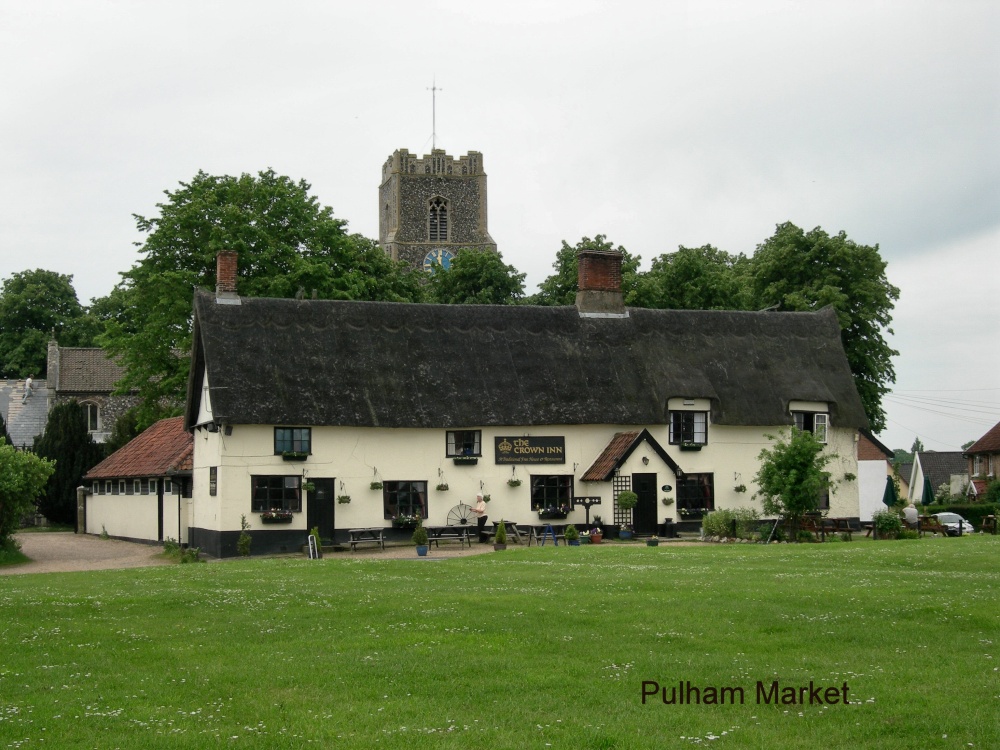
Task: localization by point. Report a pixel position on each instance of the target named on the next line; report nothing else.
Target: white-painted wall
(356, 456)
(871, 480)
(126, 516)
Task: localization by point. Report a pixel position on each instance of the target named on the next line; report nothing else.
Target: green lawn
(530, 648)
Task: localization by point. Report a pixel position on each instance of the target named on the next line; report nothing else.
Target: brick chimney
(225, 277)
(600, 284)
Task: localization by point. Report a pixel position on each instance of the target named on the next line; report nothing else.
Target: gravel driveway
(63, 552)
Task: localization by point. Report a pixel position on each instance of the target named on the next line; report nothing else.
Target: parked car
(951, 522)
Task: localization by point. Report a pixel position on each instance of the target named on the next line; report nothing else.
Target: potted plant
(376, 485)
(443, 487)
(515, 482)
(308, 487)
(294, 455)
(553, 511)
(596, 535)
(403, 521)
(653, 542)
(585, 536)
(343, 499)
(466, 460)
(625, 532)
(420, 540)
(668, 501)
(572, 536)
(500, 542)
(276, 516)
(740, 488)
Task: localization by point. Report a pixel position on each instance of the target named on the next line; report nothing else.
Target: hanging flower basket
(513, 482)
(376, 485)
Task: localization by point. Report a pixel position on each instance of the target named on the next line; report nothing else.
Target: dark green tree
(288, 245)
(3, 432)
(791, 475)
(797, 270)
(68, 444)
(34, 306)
(698, 278)
(477, 277)
(23, 477)
(561, 287)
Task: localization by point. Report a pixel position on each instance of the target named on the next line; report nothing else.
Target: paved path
(62, 552)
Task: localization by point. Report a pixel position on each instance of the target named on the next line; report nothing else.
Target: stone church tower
(431, 207)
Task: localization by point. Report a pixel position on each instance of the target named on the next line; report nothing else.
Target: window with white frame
(152, 486)
(96, 488)
(814, 422)
(688, 427)
(92, 414)
(136, 486)
(107, 487)
(464, 443)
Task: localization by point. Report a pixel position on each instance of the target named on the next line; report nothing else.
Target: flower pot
(573, 542)
(623, 534)
(498, 547)
(652, 542)
(422, 550)
(596, 538)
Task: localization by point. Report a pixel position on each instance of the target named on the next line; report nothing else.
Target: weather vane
(434, 89)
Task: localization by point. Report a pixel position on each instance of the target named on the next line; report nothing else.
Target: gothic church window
(437, 220)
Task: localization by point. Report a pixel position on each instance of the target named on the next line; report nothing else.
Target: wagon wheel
(461, 515)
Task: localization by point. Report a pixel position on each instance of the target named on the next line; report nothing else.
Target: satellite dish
(666, 488)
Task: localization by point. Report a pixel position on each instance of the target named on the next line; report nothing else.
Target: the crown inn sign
(530, 450)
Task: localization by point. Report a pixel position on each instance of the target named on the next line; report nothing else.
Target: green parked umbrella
(889, 497)
(928, 496)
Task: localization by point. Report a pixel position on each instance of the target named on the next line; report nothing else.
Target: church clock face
(438, 257)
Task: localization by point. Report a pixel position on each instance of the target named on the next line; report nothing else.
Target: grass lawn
(530, 648)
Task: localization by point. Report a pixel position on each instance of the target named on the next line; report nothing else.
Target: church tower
(433, 206)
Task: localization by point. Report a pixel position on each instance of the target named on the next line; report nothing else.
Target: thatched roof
(381, 364)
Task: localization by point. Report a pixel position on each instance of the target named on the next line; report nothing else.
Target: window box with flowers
(690, 446)
(405, 522)
(294, 455)
(466, 460)
(553, 512)
(276, 516)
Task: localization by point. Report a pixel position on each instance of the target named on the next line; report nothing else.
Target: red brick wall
(225, 271)
(600, 271)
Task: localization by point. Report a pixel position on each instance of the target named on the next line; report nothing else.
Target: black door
(644, 514)
(320, 504)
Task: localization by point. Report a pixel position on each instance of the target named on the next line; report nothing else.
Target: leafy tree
(73, 451)
(23, 476)
(966, 445)
(791, 475)
(899, 456)
(288, 244)
(34, 306)
(477, 277)
(561, 287)
(917, 447)
(126, 429)
(797, 270)
(700, 278)
(4, 435)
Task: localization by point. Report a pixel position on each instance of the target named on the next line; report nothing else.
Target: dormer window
(688, 428)
(814, 422)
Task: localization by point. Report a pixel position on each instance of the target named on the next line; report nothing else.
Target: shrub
(742, 523)
(804, 536)
(908, 534)
(171, 547)
(627, 500)
(243, 543)
(191, 555)
(572, 534)
(501, 537)
(420, 536)
(887, 523)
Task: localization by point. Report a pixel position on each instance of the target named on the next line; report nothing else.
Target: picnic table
(438, 534)
(513, 532)
(375, 535)
(540, 531)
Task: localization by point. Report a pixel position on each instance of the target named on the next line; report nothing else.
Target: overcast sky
(657, 124)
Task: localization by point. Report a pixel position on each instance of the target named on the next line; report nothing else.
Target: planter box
(466, 460)
(276, 520)
(294, 456)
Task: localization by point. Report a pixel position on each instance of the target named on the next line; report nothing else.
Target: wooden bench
(366, 536)
(989, 525)
(929, 524)
(460, 534)
(837, 526)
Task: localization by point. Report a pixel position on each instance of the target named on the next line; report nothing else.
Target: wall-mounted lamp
(645, 460)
